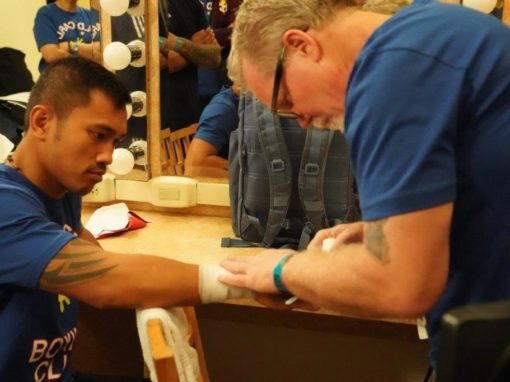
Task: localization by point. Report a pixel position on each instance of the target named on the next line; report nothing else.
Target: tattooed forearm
(375, 241)
(202, 55)
(78, 261)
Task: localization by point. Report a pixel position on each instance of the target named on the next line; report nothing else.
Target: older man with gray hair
(425, 97)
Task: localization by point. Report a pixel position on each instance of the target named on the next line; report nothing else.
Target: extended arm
(398, 270)
(100, 278)
(202, 159)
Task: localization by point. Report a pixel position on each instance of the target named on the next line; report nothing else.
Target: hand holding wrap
(212, 290)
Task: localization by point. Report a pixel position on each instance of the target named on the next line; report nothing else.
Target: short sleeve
(28, 239)
(44, 29)
(216, 123)
(401, 116)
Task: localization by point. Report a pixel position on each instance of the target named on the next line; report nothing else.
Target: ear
(41, 117)
(302, 42)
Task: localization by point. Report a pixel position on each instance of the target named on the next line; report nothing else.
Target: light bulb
(484, 6)
(137, 48)
(122, 161)
(138, 103)
(117, 55)
(114, 7)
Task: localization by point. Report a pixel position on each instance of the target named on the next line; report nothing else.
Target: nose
(105, 156)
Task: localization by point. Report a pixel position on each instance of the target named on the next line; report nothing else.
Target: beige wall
(16, 22)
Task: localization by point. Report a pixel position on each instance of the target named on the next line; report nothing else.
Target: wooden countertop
(188, 238)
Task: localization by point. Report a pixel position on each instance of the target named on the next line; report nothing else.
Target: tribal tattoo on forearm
(78, 261)
(375, 241)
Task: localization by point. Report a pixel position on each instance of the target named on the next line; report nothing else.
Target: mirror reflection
(194, 44)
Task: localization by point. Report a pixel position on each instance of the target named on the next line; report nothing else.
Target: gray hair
(260, 25)
(387, 7)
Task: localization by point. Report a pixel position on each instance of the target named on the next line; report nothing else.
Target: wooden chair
(162, 354)
(174, 147)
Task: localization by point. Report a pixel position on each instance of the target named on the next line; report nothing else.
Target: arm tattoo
(79, 260)
(202, 55)
(375, 241)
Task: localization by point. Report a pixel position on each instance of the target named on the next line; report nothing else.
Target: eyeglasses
(276, 88)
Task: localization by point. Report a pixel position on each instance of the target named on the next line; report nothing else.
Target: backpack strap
(311, 182)
(279, 170)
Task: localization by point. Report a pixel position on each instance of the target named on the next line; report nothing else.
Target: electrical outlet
(103, 191)
(173, 191)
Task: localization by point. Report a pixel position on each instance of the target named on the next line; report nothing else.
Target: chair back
(174, 147)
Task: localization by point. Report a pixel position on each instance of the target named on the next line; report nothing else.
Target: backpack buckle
(312, 169)
(277, 165)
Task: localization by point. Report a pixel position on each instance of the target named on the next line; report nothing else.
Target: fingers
(238, 280)
(234, 266)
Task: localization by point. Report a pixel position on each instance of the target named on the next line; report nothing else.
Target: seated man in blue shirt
(208, 152)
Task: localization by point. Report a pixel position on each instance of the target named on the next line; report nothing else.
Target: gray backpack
(286, 182)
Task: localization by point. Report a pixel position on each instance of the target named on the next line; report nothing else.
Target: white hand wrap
(327, 244)
(212, 290)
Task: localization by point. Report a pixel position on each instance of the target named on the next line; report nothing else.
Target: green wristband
(177, 44)
(277, 275)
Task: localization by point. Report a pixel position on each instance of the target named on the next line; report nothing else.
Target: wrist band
(177, 45)
(277, 275)
(161, 39)
(74, 50)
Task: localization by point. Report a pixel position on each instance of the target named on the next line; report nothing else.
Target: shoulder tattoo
(79, 260)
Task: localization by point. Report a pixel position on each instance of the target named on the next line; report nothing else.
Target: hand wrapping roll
(212, 290)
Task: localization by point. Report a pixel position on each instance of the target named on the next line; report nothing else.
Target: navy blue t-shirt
(219, 119)
(428, 123)
(37, 328)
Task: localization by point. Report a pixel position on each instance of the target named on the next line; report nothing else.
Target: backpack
(286, 182)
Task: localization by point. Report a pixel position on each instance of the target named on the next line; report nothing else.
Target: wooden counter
(241, 335)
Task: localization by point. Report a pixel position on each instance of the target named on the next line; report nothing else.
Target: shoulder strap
(279, 170)
(311, 181)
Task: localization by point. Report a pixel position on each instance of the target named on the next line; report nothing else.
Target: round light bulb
(122, 161)
(484, 6)
(117, 55)
(137, 49)
(115, 7)
(138, 103)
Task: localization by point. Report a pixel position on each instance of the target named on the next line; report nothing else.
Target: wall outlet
(173, 191)
(103, 191)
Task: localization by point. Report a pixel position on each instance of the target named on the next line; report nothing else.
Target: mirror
(125, 28)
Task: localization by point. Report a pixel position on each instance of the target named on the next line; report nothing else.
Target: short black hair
(66, 84)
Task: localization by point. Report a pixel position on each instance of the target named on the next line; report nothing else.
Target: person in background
(62, 28)
(208, 152)
(190, 44)
(75, 117)
(425, 97)
(220, 17)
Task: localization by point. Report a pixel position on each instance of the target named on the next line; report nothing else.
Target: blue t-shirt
(428, 123)
(37, 328)
(218, 120)
(53, 25)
